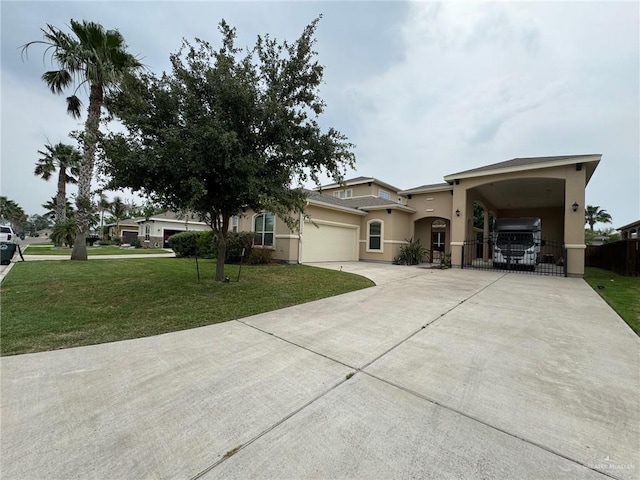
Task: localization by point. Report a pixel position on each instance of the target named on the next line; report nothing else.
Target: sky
(423, 89)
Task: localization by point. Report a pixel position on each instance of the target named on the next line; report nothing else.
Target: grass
(622, 293)
(97, 250)
(51, 304)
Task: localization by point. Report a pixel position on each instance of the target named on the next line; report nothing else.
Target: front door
(437, 244)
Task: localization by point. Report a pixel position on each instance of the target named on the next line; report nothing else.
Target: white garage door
(329, 243)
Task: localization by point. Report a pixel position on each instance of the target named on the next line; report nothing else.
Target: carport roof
(529, 163)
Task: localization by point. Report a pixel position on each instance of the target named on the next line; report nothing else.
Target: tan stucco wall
(552, 220)
(396, 229)
(437, 204)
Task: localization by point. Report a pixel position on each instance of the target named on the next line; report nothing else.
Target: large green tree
(96, 58)
(228, 130)
(65, 159)
(594, 214)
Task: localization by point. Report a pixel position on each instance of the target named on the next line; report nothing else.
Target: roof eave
(394, 206)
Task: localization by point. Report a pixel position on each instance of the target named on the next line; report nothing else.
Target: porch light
(457, 213)
(575, 206)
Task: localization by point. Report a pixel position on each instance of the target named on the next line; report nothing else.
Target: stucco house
(630, 231)
(127, 229)
(156, 230)
(368, 219)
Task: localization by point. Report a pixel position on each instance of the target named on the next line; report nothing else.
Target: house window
(263, 229)
(384, 194)
(147, 232)
(343, 194)
(234, 223)
(374, 233)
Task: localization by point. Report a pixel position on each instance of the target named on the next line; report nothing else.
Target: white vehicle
(6, 234)
(517, 242)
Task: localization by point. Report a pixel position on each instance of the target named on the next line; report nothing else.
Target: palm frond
(57, 80)
(74, 105)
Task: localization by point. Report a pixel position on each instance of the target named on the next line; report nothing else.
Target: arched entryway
(434, 234)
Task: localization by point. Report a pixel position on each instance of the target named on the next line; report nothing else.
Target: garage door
(329, 243)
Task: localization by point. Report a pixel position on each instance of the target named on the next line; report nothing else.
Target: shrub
(445, 260)
(64, 233)
(92, 239)
(184, 244)
(259, 256)
(207, 244)
(413, 253)
(235, 243)
(137, 243)
(117, 240)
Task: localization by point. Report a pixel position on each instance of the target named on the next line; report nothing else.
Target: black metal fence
(514, 254)
(622, 257)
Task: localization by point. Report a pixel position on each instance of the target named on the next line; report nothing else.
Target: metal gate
(547, 258)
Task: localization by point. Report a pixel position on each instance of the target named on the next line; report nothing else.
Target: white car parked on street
(6, 234)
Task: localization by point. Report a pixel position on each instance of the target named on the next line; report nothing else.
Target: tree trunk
(61, 199)
(222, 234)
(83, 200)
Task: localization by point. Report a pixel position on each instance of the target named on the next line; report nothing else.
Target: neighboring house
(367, 219)
(629, 231)
(127, 229)
(156, 230)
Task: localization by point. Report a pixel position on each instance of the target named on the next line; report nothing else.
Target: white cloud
(486, 82)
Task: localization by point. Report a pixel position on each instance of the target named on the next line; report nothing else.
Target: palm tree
(103, 205)
(94, 57)
(52, 207)
(64, 158)
(118, 210)
(13, 213)
(593, 215)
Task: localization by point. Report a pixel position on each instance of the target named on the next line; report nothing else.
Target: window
(375, 236)
(343, 194)
(147, 232)
(234, 223)
(384, 194)
(263, 228)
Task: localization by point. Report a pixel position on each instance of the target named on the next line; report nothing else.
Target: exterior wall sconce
(457, 213)
(575, 206)
(388, 210)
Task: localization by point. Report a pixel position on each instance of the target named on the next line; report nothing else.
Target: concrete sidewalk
(435, 374)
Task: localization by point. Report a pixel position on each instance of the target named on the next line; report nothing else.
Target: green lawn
(97, 250)
(622, 293)
(51, 304)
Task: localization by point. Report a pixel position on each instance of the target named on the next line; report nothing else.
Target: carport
(549, 188)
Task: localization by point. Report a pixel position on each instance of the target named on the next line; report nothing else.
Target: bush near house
(187, 244)
(413, 253)
(184, 244)
(259, 256)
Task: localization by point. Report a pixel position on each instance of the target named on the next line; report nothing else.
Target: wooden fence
(621, 257)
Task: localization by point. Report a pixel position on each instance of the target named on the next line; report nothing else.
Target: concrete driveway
(430, 374)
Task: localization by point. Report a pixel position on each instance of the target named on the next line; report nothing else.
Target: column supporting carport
(574, 220)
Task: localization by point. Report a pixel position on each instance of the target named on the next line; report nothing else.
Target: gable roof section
(173, 217)
(354, 205)
(126, 222)
(529, 163)
(329, 201)
(359, 181)
(434, 187)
